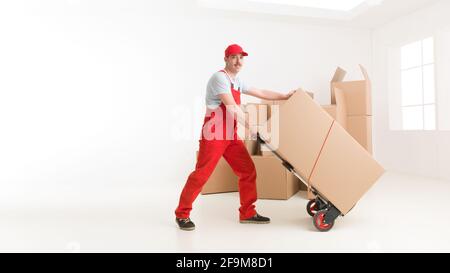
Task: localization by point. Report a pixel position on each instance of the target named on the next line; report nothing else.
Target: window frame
(422, 67)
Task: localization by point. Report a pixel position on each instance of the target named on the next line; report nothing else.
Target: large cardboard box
(345, 171)
(273, 180)
(278, 103)
(360, 128)
(273, 111)
(281, 102)
(311, 94)
(323, 153)
(303, 128)
(357, 93)
(221, 180)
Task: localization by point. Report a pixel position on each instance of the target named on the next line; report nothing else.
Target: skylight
(340, 5)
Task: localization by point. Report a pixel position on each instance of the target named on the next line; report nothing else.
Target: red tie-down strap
(317, 160)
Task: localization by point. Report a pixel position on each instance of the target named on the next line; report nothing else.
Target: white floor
(400, 213)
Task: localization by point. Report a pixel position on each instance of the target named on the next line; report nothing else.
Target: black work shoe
(257, 219)
(185, 224)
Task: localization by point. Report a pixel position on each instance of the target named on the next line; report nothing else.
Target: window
(418, 96)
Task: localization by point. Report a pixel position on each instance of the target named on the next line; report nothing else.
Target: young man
(223, 100)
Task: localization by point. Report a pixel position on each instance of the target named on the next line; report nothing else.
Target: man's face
(234, 63)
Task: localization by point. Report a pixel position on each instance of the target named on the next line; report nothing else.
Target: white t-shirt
(221, 84)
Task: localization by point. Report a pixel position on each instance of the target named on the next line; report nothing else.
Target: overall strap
(229, 78)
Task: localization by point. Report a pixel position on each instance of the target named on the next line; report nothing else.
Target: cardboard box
(360, 128)
(281, 102)
(338, 77)
(357, 93)
(256, 113)
(323, 153)
(265, 151)
(338, 111)
(273, 109)
(331, 110)
(311, 94)
(345, 171)
(273, 180)
(252, 147)
(221, 180)
(303, 128)
(243, 132)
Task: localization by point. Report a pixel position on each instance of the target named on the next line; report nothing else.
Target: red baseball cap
(234, 50)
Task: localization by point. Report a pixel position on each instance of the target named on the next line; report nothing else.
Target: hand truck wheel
(312, 208)
(319, 221)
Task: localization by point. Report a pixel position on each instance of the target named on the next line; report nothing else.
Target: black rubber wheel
(312, 208)
(319, 222)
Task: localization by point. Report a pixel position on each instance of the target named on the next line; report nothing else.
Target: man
(217, 140)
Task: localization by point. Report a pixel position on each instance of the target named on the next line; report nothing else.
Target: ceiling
(341, 5)
(353, 13)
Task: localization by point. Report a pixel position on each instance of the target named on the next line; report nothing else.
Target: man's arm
(268, 95)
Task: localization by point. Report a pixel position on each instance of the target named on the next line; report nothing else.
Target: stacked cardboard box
(256, 116)
(326, 150)
(222, 180)
(338, 111)
(354, 98)
(264, 151)
(273, 180)
(323, 153)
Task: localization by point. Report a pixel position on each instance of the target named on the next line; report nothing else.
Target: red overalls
(210, 152)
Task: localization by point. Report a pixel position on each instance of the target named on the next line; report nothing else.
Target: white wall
(423, 153)
(89, 89)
